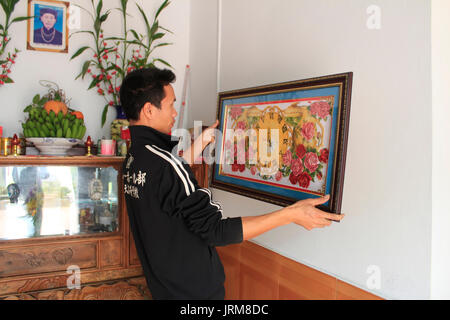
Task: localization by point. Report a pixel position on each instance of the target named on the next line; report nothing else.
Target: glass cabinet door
(40, 201)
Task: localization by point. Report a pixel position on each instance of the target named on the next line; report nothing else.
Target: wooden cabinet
(64, 230)
(76, 238)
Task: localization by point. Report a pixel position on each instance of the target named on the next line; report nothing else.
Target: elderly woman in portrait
(47, 34)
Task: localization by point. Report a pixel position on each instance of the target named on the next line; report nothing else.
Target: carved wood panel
(38, 259)
(110, 253)
(130, 289)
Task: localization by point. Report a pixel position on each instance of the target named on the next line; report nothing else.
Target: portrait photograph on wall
(285, 142)
(48, 30)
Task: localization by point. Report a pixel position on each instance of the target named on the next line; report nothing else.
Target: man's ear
(148, 111)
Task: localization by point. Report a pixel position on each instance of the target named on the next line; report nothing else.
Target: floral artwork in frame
(48, 30)
(285, 142)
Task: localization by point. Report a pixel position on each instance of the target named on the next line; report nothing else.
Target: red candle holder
(14, 145)
(88, 145)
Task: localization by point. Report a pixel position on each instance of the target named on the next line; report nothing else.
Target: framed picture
(48, 30)
(285, 142)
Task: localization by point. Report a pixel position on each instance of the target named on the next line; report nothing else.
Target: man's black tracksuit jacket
(175, 224)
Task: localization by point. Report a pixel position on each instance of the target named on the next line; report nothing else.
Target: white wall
(32, 66)
(203, 56)
(387, 193)
(440, 253)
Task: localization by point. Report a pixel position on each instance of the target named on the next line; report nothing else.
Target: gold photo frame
(48, 29)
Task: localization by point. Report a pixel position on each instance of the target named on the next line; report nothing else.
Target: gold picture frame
(285, 142)
(48, 29)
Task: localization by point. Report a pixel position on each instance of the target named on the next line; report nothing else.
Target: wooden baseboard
(256, 273)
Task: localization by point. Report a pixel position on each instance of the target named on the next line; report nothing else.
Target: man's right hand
(305, 213)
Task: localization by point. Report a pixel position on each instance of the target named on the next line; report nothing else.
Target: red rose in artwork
(304, 180)
(241, 167)
(293, 178)
(241, 125)
(308, 130)
(235, 112)
(287, 158)
(320, 109)
(234, 167)
(296, 167)
(311, 161)
(278, 176)
(300, 151)
(253, 170)
(323, 157)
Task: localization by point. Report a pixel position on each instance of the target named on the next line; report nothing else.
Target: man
(175, 223)
(47, 34)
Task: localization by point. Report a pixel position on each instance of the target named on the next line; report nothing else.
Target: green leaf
(158, 36)
(153, 29)
(18, 19)
(99, 7)
(84, 69)
(104, 17)
(79, 51)
(124, 3)
(114, 38)
(104, 114)
(136, 43)
(161, 8)
(93, 83)
(163, 62)
(162, 45)
(8, 80)
(166, 30)
(5, 7)
(135, 34)
(97, 26)
(36, 99)
(43, 100)
(83, 31)
(147, 24)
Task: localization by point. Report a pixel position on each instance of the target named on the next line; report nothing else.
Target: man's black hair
(142, 86)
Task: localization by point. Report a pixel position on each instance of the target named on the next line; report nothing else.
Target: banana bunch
(41, 124)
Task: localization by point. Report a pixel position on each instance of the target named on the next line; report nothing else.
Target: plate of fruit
(51, 126)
